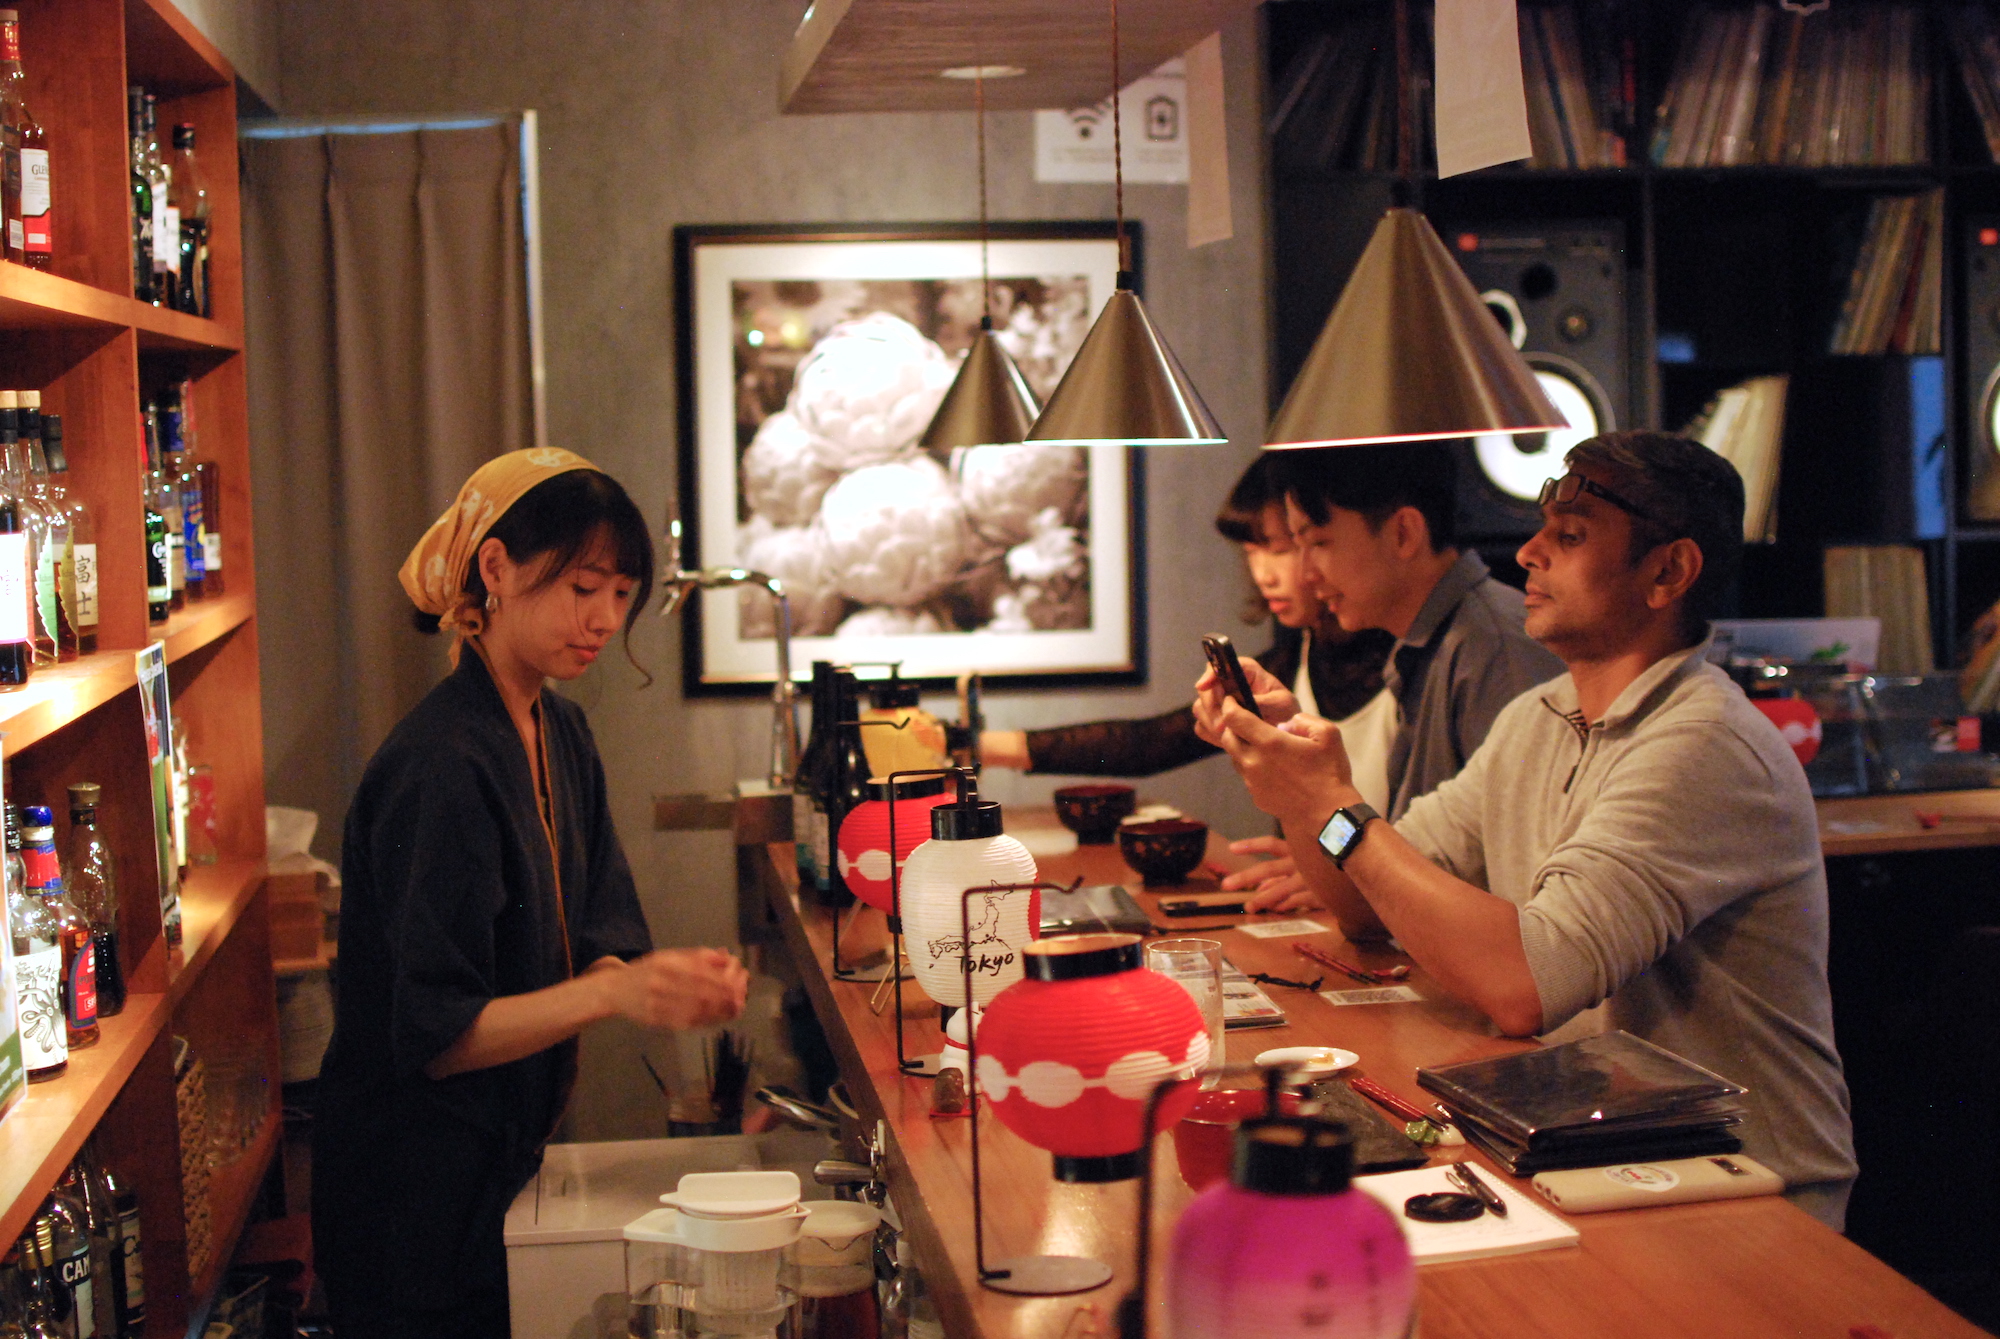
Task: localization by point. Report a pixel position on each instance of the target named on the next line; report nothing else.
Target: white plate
(1313, 1061)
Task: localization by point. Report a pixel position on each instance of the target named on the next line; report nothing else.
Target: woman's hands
(678, 988)
(1275, 702)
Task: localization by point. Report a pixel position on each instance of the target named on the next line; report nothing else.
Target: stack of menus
(1608, 1099)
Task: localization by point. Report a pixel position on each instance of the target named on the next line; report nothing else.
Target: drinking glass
(1197, 965)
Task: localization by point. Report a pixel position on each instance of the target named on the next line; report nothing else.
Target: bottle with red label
(17, 638)
(79, 947)
(24, 175)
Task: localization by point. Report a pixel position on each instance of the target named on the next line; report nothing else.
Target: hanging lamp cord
(1405, 95)
(1118, 152)
(985, 273)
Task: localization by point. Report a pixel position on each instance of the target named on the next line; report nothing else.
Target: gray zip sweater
(1666, 862)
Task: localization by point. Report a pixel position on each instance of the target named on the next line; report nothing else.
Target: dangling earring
(492, 602)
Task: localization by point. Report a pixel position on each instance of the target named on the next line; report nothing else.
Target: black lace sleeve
(1119, 748)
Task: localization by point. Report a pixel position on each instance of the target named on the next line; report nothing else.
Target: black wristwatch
(1342, 832)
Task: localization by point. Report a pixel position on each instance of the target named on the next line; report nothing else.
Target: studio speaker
(1982, 367)
(1559, 292)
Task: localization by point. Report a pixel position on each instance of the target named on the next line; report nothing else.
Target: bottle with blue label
(37, 968)
(73, 932)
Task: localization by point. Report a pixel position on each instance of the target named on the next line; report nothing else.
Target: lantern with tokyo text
(863, 846)
(1069, 1055)
(968, 848)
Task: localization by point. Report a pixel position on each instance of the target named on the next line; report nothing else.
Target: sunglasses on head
(1565, 489)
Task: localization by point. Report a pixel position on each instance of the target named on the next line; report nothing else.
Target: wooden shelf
(59, 694)
(34, 300)
(212, 898)
(43, 1134)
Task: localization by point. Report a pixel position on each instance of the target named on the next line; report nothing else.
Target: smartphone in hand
(1229, 670)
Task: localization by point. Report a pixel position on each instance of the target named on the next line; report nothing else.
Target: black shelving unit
(1731, 272)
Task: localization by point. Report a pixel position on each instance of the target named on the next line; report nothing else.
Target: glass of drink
(1197, 965)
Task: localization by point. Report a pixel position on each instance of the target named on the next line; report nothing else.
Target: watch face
(1338, 834)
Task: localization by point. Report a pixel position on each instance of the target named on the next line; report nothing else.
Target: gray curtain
(388, 357)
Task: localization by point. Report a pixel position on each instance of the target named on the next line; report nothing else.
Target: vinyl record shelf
(76, 334)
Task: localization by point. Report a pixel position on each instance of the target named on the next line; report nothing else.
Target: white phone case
(1639, 1185)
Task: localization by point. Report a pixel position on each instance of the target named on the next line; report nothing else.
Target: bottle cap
(184, 135)
(1292, 1155)
(10, 16)
(38, 816)
(31, 399)
(83, 795)
(10, 399)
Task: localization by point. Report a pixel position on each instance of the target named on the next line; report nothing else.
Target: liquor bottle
(807, 808)
(93, 887)
(166, 225)
(17, 637)
(33, 194)
(81, 1183)
(37, 968)
(142, 197)
(40, 1318)
(186, 482)
(63, 1235)
(211, 526)
(76, 576)
(128, 1274)
(159, 590)
(167, 483)
(849, 782)
(79, 944)
(50, 536)
(14, 118)
(191, 199)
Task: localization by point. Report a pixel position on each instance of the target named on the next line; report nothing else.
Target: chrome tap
(784, 697)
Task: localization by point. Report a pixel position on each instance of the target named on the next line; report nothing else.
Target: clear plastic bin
(1886, 733)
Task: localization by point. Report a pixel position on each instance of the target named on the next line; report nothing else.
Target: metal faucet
(784, 697)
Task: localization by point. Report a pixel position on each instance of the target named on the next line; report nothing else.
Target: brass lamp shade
(1125, 387)
(989, 401)
(1409, 354)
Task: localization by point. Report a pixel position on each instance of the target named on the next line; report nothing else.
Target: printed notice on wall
(1075, 145)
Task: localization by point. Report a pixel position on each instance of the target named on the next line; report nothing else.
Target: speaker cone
(1518, 465)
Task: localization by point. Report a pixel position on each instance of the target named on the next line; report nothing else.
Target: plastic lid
(1292, 1155)
(837, 1232)
(734, 1194)
(655, 1226)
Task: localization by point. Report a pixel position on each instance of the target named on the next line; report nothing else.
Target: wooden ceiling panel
(886, 55)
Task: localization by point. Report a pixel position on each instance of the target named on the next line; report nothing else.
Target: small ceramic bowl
(1165, 851)
(1092, 812)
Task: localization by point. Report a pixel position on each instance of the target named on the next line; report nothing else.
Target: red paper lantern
(863, 846)
(1796, 721)
(1069, 1054)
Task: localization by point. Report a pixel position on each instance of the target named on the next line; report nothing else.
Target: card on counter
(1372, 995)
(1280, 929)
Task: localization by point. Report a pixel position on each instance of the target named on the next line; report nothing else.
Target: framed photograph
(811, 361)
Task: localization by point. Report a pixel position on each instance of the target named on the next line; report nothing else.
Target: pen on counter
(1473, 1182)
(1395, 1105)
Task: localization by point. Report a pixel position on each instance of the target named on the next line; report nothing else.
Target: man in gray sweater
(1634, 834)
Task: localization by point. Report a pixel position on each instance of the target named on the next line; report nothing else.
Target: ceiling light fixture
(1411, 353)
(989, 402)
(983, 72)
(1125, 387)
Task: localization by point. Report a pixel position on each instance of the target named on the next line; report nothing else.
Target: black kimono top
(450, 900)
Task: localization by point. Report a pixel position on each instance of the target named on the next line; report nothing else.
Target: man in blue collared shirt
(1376, 526)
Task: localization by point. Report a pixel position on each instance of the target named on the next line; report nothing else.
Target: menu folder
(1558, 1094)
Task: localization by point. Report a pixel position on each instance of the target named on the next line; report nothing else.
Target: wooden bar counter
(1742, 1269)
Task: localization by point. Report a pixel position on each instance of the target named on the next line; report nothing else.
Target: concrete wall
(658, 112)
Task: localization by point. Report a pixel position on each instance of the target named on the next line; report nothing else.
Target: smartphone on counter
(1192, 907)
(1228, 669)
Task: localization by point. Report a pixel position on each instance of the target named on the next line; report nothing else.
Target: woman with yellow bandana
(488, 914)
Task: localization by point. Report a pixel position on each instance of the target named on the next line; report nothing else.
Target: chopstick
(1395, 1105)
(1366, 976)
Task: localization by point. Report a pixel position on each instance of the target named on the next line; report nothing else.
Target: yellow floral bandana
(434, 574)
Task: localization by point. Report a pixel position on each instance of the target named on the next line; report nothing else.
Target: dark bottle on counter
(79, 943)
(93, 887)
(17, 634)
(76, 577)
(808, 792)
(142, 198)
(159, 590)
(848, 785)
(128, 1274)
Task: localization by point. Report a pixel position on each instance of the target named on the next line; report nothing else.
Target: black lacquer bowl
(1166, 850)
(1093, 812)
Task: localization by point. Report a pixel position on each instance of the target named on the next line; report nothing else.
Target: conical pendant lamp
(989, 402)
(1125, 387)
(1410, 353)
